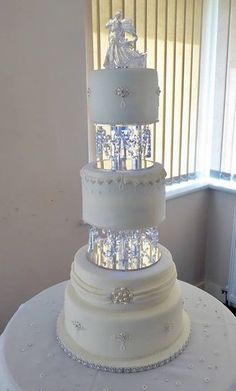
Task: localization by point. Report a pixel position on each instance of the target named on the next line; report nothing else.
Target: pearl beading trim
(122, 369)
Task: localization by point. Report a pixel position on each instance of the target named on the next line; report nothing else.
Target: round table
(31, 360)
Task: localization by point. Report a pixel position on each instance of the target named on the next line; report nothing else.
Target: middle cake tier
(123, 200)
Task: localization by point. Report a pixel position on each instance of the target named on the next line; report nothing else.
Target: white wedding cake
(123, 309)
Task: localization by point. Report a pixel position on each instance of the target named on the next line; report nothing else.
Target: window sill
(184, 188)
(221, 185)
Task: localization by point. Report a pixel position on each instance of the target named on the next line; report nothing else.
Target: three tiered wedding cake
(123, 309)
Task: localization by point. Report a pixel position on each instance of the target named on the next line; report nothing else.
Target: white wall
(43, 144)
(184, 233)
(220, 223)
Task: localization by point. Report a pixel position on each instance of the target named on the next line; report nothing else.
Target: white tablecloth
(31, 360)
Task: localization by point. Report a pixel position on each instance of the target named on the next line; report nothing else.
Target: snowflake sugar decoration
(123, 339)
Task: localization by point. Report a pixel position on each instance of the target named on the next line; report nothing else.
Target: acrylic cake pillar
(123, 308)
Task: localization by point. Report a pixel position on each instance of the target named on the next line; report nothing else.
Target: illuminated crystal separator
(123, 250)
(124, 144)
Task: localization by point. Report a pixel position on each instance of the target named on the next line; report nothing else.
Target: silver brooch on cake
(121, 296)
(122, 338)
(122, 92)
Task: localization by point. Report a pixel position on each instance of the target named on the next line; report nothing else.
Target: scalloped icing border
(156, 176)
(122, 181)
(131, 369)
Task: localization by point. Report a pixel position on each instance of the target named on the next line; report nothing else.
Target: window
(170, 31)
(192, 45)
(223, 163)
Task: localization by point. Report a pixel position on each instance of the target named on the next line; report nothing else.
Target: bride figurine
(121, 52)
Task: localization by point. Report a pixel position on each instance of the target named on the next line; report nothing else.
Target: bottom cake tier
(123, 321)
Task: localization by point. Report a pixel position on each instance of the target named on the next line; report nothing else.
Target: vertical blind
(170, 32)
(227, 169)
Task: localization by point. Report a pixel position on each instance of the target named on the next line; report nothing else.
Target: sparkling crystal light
(124, 143)
(123, 250)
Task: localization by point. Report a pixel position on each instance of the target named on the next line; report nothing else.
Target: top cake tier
(124, 96)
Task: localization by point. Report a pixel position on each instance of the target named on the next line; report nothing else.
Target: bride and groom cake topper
(121, 52)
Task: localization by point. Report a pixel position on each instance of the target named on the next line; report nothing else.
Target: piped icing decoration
(78, 326)
(123, 339)
(120, 369)
(153, 175)
(122, 92)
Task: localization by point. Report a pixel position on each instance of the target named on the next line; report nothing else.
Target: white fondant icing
(123, 199)
(156, 303)
(124, 96)
(156, 360)
(148, 286)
